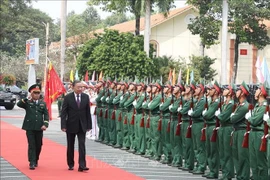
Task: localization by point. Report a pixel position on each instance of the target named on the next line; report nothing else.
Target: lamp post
(46, 53)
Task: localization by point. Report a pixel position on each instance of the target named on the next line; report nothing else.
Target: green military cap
(201, 85)
(244, 88)
(265, 89)
(181, 86)
(158, 84)
(193, 85)
(232, 88)
(34, 88)
(217, 87)
(109, 81)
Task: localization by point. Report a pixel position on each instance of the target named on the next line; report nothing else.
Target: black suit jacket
(72, 116)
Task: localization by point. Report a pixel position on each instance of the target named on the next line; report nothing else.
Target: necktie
(78, 100)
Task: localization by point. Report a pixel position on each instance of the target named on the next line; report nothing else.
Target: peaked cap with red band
(217, 87)
(34, 87)
(244, 88)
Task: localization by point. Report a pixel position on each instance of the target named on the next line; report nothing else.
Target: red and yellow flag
(54, 88)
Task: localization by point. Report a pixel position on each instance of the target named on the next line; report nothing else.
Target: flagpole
(46, 54)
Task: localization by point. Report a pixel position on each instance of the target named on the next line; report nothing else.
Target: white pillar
(147, 27)
(63, 37)
(224, 42)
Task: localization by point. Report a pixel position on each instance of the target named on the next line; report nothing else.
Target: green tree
(246, 21)
(116, 55)
(115, 19)
(201, 65)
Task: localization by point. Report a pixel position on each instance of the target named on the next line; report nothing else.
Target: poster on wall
(32, 51)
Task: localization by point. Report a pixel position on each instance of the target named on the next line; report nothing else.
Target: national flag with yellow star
(54, 88)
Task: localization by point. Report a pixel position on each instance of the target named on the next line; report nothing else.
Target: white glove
(149, 104)
(121, 98)
(248, 115)
(107, 99)
(179, 109)
(265, 117)
(102, 98)
(160, 104)
(134, 102)
(217, 112)
(190, 112)
(144, 103)
(170, 107)
(232, 114)
(204, 111)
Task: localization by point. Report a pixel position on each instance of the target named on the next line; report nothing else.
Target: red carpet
(52, 163)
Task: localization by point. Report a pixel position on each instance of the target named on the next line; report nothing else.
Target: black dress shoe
(36, 164)
(70, 168)
(32, 167)
(81, 169)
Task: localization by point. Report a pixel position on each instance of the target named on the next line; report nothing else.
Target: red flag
(86, 78)
(54, 88)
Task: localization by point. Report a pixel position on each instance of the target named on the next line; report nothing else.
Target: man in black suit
(76, 120)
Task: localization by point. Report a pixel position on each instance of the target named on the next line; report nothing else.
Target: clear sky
(53, 7)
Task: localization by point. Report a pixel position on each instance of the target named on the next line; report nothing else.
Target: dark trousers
(70, 148)
(34, 139)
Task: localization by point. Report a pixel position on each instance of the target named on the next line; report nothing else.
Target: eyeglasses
(36, 92)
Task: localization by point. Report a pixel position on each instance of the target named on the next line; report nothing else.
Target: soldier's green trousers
(187, 145)
(131, 132)
(240, 156)
(148, 139)
(34, 139)
(111, 128)
(155, 136)
(105, 123)
(211, 149)
(140, 134)
(198, 146)
(268, 156)
(165, 138)
(258, 159)
(100, 123)
(119, 128)
(225, 151)
(176, 142)
(126, 124)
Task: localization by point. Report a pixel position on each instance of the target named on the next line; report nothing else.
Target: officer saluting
(35, 122)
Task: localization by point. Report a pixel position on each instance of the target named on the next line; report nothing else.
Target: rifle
(134, 111)
(245, 143)
(142, 120)
(106, 111)
(100, 111)
(148, 119)
(160, 115)
(169, 123)
(114, 107)
(203, 136)
(263, 146)
(214, 135)
(178, 127)
(188, 135)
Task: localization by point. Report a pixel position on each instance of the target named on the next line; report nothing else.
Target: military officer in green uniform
(60, 100)
(146, 114)
(123, 120)
(101, 93)
(116, 115)
(210, 120)
(105, 110)
(167, 101)
(139, 119)
(175, 136)
(187, 145)
(240, 154)
(35, 122)
(128, 130)
(197, 125)
(155, 134)
(258, 159)
(110, 121)
(225, 131)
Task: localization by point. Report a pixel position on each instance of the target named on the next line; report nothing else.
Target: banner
(32, 51)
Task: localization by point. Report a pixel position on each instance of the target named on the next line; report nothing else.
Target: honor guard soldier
(238, 119)
(101, 92)
(110, 121)
(225, 131)
(36, 121)
(258, 159)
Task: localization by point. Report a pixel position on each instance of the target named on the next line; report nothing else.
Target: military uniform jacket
(139, 104)
(256, 120)
(36, 114)
(153, 106)
(209, 115)
(128, 104)
(164, 107)
(116, 99)
(185, 109)
(98, 99)
(225, 114)
(196, 115)
(238, 118)
(123, 99)
(109, 100)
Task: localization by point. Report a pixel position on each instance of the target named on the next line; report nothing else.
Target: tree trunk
(137, 25)
(147, 28)
(236, 55)
(202, 47)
